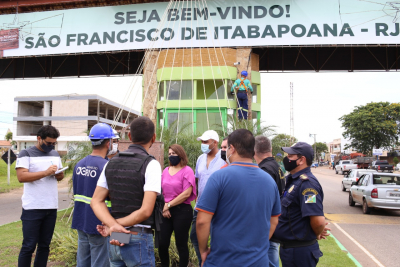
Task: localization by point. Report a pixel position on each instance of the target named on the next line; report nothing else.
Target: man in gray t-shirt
(36, 168)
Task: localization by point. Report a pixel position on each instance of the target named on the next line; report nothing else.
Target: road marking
(359, 245)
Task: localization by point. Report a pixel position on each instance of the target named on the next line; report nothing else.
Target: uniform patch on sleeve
(309, 190)
(310, 198)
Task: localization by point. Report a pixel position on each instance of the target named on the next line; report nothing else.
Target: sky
(320, 99)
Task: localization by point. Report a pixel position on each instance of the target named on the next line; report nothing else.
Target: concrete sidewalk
(11, 204)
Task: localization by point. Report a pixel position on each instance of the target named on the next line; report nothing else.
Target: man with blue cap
(302, 220)
(92, 247)
(242, 85)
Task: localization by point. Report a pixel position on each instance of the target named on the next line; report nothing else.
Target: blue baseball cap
(300, 148)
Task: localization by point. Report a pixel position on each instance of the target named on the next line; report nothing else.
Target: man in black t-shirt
(264, 159)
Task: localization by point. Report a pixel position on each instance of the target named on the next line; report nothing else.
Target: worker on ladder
(242, 85)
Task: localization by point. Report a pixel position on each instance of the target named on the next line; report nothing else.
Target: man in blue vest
(92, 247)
(242, 85)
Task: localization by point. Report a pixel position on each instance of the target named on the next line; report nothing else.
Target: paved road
(377, 232)
(11, 204)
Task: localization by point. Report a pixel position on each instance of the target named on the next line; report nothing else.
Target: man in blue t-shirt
(92, 247)
(241, 205)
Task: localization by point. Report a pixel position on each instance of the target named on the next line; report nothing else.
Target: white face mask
(114, 149)
(227, 157)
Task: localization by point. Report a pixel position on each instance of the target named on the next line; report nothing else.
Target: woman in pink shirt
(179, 189)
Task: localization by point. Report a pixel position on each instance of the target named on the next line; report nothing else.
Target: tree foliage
(8, 136)
(281, 140)
(320, 147)
(375, 125)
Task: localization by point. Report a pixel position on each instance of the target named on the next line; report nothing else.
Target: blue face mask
(206, 148)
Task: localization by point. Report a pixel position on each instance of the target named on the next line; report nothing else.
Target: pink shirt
(173, 186)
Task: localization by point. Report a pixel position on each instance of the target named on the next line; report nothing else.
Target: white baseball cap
(207, 135)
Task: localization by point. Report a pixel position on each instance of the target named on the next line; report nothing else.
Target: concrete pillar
(106, 114)
(46, 111)
(243, 55)
(149, 108)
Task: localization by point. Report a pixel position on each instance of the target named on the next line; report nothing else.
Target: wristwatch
(168, 205)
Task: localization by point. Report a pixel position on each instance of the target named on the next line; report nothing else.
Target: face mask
(223, 155)
(46, 148)
(289, 164)
(206, 148)
(227, 159)
(113, 150)
(174, 160)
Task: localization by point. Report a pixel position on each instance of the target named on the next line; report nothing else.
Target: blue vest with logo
(86, 173)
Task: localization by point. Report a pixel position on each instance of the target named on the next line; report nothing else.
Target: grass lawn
(4, 187)
(333, 255)
(11, 240)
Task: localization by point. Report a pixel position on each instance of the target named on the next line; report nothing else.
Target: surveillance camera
(236, 63)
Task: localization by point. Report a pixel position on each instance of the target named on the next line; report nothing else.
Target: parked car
(353, 176)
(344, 166)
(398, 166)
(382, 165)
(376, 190)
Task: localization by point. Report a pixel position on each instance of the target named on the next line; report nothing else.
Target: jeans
(193, 237)
(181, 218)
(92, 250)
(139, 252)
(273, 254)
(37, 230)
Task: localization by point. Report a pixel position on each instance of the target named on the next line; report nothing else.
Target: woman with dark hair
(179, 189)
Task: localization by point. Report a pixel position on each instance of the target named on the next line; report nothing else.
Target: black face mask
(289, 164)
(46, 148)
(223, 155)
(174, 160)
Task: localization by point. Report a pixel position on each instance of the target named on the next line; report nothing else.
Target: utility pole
(315, 146)
(291, 115)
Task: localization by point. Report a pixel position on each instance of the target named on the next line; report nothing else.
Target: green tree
(8, 136)
(281, 140)
(375, 125)
(321, 147)
(395, 160)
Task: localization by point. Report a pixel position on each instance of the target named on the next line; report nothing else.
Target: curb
(348, 253)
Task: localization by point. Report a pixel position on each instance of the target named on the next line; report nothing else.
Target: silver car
(376, 190)
(353, 176)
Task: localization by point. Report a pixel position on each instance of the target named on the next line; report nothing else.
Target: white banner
(377, 152)
(205, 24)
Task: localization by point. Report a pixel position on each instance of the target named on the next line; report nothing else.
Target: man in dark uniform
(302, 220)
(266, 162)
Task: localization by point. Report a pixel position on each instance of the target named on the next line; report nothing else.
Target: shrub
(64, 246)
(395, 160)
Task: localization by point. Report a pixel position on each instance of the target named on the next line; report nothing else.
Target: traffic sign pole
(8, 166)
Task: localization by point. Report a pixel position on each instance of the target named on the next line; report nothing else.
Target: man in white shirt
(36, 168)
(132, 180)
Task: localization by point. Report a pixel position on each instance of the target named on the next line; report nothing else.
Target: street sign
(377, 152)
(12, 157)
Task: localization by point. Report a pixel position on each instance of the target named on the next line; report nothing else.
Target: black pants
(181, 218)
(37, 229)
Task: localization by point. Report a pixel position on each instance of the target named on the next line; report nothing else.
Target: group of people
(124, 202)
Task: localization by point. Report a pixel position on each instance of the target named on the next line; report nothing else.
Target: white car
(376, 190)
(353, 176)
